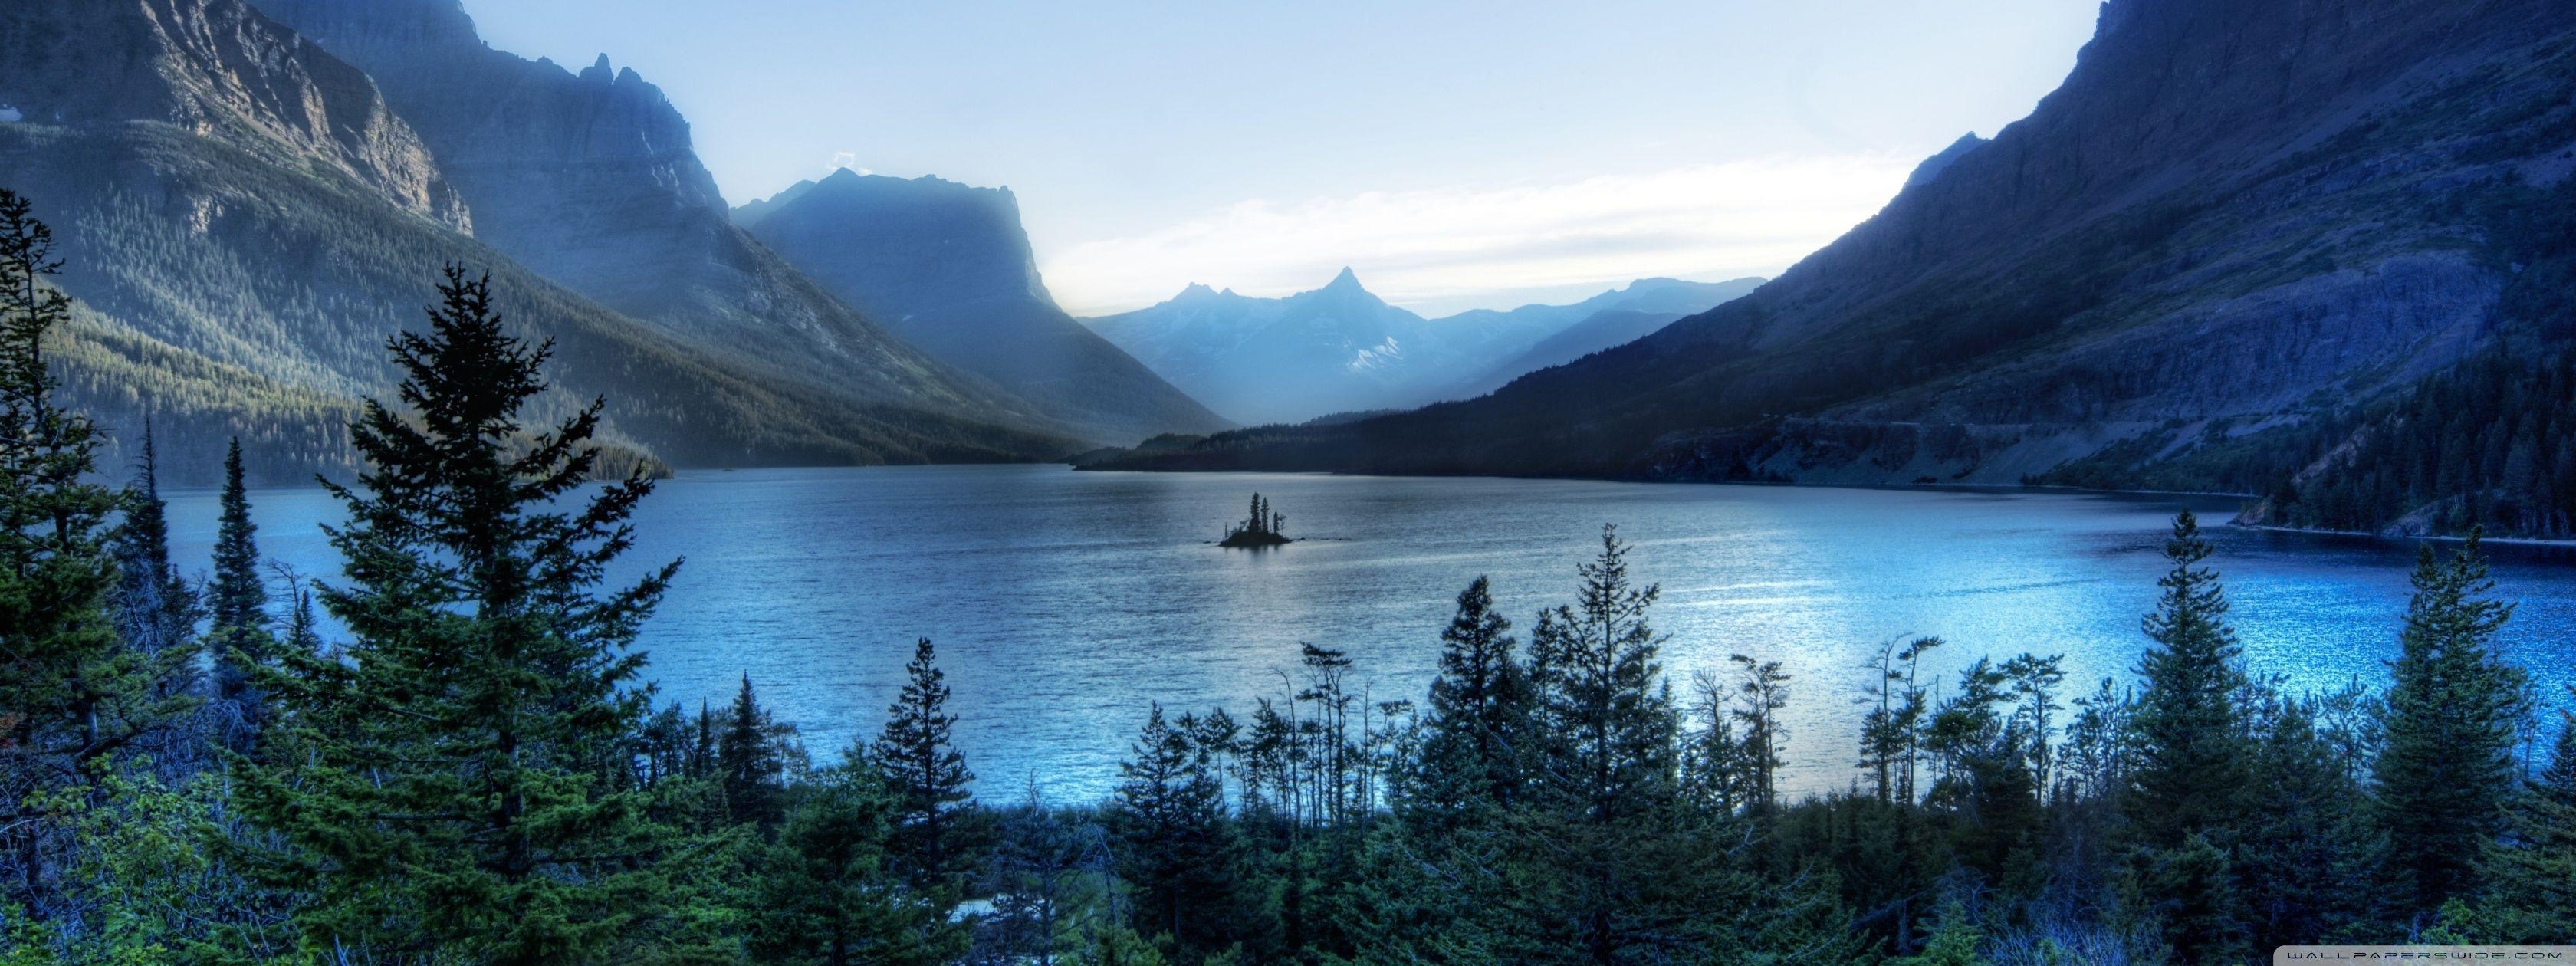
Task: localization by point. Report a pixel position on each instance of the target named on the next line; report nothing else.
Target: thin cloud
(1740, 218)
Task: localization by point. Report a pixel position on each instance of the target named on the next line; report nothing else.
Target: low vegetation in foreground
(477, 771)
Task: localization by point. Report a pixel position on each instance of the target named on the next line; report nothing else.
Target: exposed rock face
(590, 179)
(897, 248)
(242, 231)
(2231, 214)
(220, 71)
(948, 268)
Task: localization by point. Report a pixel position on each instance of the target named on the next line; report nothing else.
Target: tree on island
(1263, 528)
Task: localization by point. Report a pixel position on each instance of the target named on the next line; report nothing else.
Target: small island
(1264, 528)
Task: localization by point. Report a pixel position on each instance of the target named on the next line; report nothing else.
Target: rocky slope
(221, 72)
(590, 179)
(948, 268)
(245, 222)
(2231, 220)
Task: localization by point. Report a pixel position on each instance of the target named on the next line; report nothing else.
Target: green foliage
(2192, 770)
(73, 694)
(2531, 869)
(2454, 711)
(927, 773)
(452, 787)
(753, 756)
(823, 890)
(1179, 851)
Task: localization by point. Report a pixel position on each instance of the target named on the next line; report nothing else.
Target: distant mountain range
(1341, 349)
(947, 267)
(2211, 259)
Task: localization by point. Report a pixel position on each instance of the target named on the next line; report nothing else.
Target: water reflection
(1064, 602)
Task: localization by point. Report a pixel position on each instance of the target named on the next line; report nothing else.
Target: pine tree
(825, 889)
(1480, 707)
(2192, 752)
(2532, 870)
(72, 695)
(456, 790)
(926, 772)
(237, 602)
(156, 610)
(1169, 813)
(1611, 727)
(2454, 708)
(753, 754)
(825, 893)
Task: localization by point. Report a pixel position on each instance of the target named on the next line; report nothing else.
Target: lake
(1064, 603)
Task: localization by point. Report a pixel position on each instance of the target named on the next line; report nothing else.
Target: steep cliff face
(589, 178)
(221, 71)
(948, 268)
(2230, 216)
(236, 233)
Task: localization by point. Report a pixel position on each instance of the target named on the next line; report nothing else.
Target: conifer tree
(156, 610)
(1611, 726)
(2454, 707)
(752, 756)
(1480, 708)
(2531, 871)
(825, 892)
(2192, 750)
(72, 694)
(1169, 814)
(455, 791)
(926, 773)
(237, 601)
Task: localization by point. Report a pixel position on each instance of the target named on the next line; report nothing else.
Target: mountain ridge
(591, 180)
(2162, 247)
(1339, 348)
(235, 278)
(948, 267)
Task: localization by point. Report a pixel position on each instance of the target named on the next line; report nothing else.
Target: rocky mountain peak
(220, 70)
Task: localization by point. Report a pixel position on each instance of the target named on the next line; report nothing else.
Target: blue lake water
(1063, 603)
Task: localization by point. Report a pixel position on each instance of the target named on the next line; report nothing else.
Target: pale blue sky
(1456, 153)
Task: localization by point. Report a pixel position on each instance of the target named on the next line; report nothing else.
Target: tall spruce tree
(2192, 750)
(458, 790)
(752, 753)
(237, 602)
(156, 610)
(925, 771)
(1480, 707)
(72, 694)
(2446, 770)
(1610, 724)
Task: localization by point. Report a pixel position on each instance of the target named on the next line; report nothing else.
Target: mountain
(245, 219)
(590, 179)
(2208, 257)
(1613, 318)
(1341, 349)
(1259, 360)
(947, 267)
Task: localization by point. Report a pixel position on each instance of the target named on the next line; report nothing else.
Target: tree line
(476, 770)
